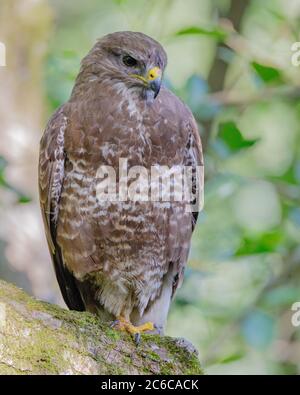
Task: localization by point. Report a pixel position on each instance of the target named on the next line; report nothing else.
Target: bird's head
(131, 58)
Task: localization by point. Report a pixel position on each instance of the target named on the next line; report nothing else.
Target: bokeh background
(230, 61)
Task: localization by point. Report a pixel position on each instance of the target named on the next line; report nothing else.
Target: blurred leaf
(207, 110)
(3, 183)
(281, 17)
(290, 176)
(24, 199)
(196, 87)
(231, 136)
(287, 368)
(232, 358)
(195, 90)
(267, 74)
(215, 32)
(3, 164)
(119, 2)
(195, 95)
(70, 54)
(258, 329)
(267, 242)
(62, 70)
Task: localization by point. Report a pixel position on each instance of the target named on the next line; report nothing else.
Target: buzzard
(120, 259)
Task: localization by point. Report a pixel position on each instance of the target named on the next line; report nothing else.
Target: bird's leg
(125, 325)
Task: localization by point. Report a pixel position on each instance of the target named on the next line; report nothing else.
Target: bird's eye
(129, 61)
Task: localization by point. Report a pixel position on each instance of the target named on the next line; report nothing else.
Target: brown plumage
(120, 259)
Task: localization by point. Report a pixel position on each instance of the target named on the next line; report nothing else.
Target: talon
(114, 324)
(124, 325)
(137, 338)
(148, 326)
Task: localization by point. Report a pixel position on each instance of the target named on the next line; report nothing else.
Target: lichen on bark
(40, 338)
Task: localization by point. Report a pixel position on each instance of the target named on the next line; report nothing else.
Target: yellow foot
(126, 326)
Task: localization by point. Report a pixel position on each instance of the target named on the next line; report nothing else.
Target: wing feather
(194, 159)
(51, 176)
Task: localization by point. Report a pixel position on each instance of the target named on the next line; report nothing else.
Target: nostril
(154, 73)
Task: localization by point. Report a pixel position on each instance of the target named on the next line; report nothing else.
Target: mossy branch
(40, 338)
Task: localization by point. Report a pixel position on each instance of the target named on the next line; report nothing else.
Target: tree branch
(39, 338)
(219, 67)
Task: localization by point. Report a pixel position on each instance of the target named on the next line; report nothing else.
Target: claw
(126, 326)
(114, 323)
(137, 338)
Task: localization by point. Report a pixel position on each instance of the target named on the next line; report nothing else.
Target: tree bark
(40, 338)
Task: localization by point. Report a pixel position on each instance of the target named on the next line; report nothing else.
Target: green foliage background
(230, 61)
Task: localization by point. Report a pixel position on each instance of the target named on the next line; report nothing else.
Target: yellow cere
(154, 73)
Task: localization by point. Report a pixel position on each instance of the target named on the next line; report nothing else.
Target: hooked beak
(152, 79)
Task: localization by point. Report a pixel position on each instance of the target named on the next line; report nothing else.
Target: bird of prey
(121, 259)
